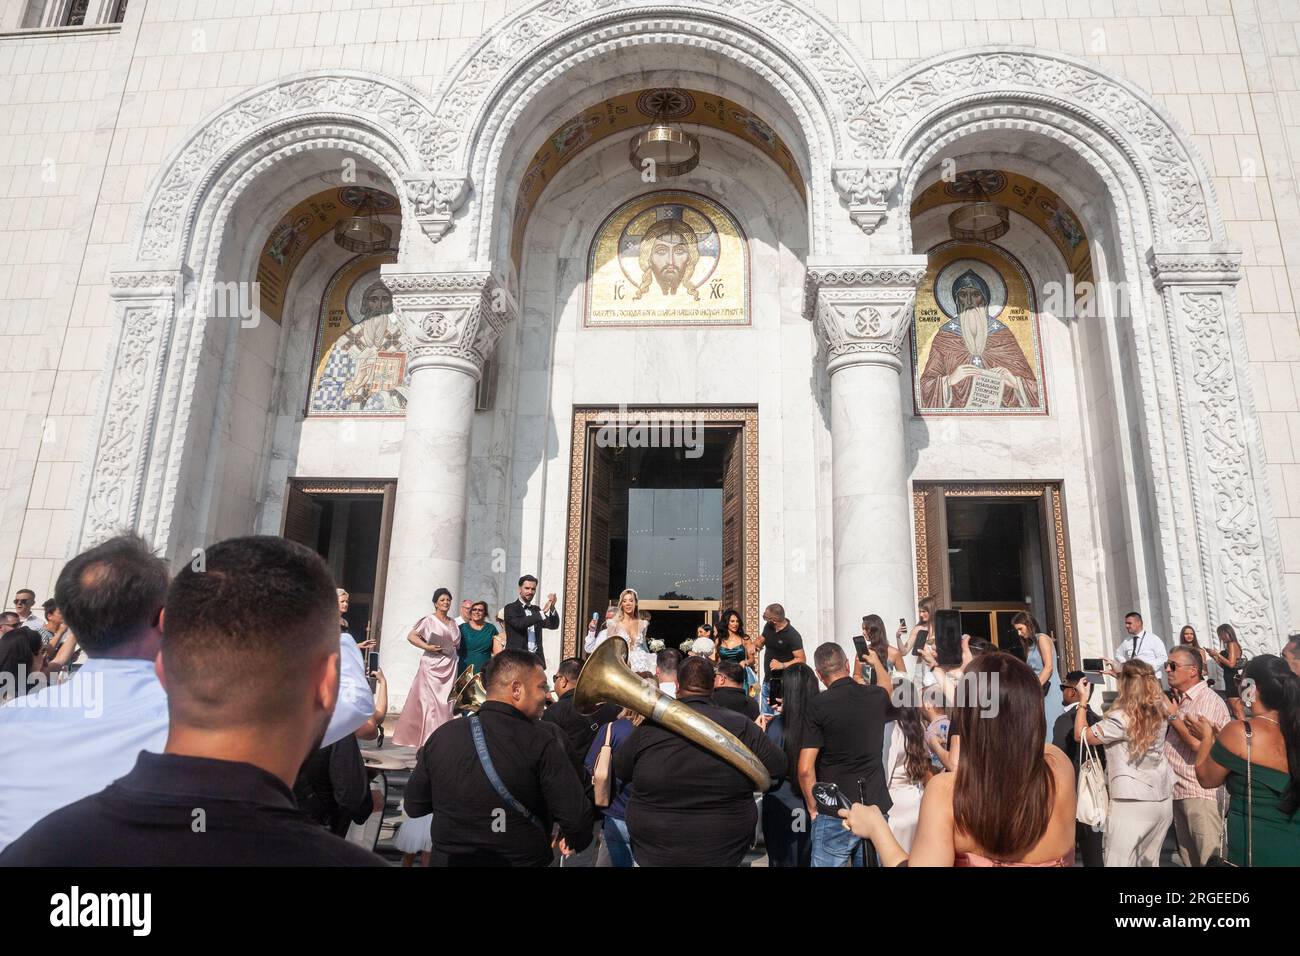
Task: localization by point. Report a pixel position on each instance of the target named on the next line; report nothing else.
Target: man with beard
(971, 345)
(250, 663)
(669, 253)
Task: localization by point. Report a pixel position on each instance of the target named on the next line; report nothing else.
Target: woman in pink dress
(427, 707)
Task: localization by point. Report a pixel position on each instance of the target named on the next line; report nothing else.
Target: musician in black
(496, 799)
(688, 806)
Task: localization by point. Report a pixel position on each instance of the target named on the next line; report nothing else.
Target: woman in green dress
(476, 636)
(1272, 695)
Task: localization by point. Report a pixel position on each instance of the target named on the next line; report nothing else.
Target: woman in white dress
(629, 624)
(907, 771)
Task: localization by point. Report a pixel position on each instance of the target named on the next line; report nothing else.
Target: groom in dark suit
(1088, 839)
(525, 621)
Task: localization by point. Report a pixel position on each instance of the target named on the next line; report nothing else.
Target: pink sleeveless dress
(427, 708)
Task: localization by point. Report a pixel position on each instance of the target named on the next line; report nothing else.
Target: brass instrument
(607, 679)
(468, 693)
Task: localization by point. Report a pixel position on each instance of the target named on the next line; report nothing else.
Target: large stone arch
(814, 70)
(162, 297)
(1217, 543)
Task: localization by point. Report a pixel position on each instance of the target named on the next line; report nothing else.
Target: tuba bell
(468, 693)
(607, 679)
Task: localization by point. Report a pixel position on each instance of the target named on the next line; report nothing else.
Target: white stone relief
(866, 190)
(455, 318)
(862, 313)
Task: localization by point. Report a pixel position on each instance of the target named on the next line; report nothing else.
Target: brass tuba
(468, 693)
(607, 679)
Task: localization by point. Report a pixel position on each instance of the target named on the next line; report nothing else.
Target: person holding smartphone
(782, 646)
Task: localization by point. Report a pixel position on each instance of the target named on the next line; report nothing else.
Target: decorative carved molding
(1059, 83)
(371, 102)
(1173, 267)
(814, 44)
(454, 318)
(1230, 533)
(863, 312)
(866, 190)
(435, 201)
(120, 457)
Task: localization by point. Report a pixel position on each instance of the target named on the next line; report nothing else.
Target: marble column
(863, 314)
(454, 320)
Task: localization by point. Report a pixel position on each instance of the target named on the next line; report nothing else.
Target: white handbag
(1093, 790)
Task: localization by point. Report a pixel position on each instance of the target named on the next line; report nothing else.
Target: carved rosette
(454, 318)
(863, 313)
(866, 190)
(1227, 490)
(145, 304)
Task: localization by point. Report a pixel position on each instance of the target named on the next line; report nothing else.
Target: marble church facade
(192, 357)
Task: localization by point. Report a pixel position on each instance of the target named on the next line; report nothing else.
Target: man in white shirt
(70, 740)
(25, 605)
(463, 616)
(1142, 645)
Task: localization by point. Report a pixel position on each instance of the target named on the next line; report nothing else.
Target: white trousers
(1135, 832)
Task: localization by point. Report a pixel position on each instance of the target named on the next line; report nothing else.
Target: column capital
(453, 319)
(1194, 264)
(863, 312)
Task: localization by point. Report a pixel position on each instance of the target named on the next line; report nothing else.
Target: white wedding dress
(639, 656)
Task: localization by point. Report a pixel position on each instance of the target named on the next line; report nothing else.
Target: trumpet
(607, 679)
(468, 693)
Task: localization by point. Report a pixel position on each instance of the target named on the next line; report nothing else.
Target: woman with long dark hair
(785, 818)
(1230, 661)
(733, 644)
(1270, 834)
(907, 771)
(873, 629)
(1138, 771)
(966, 817)
(427, 708)
(1040, 655)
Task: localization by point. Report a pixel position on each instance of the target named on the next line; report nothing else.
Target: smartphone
(1093, 664)
(372, 664)
(919, 647)
(860, 645)
(774, 690)
(902, 622)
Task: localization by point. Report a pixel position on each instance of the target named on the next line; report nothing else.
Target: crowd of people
(217, 716)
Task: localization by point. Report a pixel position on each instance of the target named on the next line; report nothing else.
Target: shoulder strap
(480, 746)
(1250, 802)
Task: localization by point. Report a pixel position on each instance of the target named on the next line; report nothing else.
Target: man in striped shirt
(1198, 819)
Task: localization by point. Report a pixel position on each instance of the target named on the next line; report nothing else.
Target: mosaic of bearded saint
(975, 348)
(365, 370)
(668, 256)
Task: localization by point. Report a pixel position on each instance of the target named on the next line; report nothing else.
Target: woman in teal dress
(731, 643)
(1040, 654)
(1271, 837)
(476, 636)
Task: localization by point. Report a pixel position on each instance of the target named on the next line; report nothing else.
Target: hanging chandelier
(674, 151)
(979, 219)
(362, 231)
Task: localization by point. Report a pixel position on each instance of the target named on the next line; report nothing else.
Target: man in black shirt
(477, 823)
(1088, 840)
(250, 661)
(689, 807)
(729, 690)
(579, 730)
(782, 646)
(844, 734)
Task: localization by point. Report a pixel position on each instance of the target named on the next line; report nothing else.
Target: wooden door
(595, 591)
(733, 520)
(301, 517)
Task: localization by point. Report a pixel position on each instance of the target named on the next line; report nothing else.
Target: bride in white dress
(629, 624)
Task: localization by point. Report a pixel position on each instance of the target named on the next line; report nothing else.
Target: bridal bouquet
(656, 646)
(687, 645)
